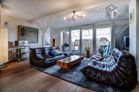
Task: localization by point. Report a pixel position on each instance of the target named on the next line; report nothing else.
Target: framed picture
(132, 16)
(28, 34)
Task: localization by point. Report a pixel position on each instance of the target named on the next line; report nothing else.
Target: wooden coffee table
(69, 62)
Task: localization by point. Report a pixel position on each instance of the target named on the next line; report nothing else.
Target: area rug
(75, 76)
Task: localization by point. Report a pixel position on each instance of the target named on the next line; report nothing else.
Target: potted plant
(87, 52)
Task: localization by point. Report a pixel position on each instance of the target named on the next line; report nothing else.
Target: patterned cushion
(117, 54)
(106, 64)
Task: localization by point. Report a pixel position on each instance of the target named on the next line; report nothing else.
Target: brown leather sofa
(40, 56)
(117, 70)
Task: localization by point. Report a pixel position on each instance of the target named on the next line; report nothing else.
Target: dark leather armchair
(117, 70)
(40, 57)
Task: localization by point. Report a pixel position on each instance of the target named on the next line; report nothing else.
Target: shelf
(22, 53)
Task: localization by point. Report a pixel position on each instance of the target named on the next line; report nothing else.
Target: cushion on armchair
(97, 57)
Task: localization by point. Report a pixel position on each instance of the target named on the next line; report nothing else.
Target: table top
(70, 59)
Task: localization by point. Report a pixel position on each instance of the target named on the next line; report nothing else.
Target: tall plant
(88, 48)
(88, 51)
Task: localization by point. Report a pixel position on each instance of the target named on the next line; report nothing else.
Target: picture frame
(27, 34)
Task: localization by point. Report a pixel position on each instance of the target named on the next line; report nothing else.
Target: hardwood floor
(21, 77)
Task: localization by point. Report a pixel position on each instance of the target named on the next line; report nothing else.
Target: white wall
(132, 28)
(13, 30)
(134, 32)
(137, 39)
(56, 34)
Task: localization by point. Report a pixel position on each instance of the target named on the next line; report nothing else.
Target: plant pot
(88, 54)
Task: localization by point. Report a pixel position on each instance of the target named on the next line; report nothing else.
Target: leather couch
(40, 56)
(117, 70)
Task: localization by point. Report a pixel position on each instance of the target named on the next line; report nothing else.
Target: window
(75, 40)
(103, 38)
(65, 41)
(65, 37)
(87, 39)
(78, 39)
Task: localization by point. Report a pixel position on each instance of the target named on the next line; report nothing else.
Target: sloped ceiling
(32, 10)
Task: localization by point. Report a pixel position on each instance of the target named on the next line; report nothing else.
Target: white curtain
(3, 45)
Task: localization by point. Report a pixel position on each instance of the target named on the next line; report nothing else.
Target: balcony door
(87, 39)
(75, 41)
(103, 38)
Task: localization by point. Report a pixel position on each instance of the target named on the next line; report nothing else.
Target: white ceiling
(32, 10)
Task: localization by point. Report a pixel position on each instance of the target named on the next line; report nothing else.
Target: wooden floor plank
(72, 88)
(21, 77)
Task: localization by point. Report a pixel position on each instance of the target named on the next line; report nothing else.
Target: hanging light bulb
(65, 18)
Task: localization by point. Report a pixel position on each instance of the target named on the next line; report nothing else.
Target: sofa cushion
(39, 56)
(59, 57)
(46, 54)
(48, 60)
(38, 51)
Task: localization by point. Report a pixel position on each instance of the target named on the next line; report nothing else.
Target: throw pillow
(53, 53)
(58, 51)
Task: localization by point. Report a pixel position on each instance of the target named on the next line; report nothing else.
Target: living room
(85, 46)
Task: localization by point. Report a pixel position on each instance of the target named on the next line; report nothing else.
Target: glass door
(87, 39)
(103, 38)
(75, 41)
(65, 37)
(66, 41)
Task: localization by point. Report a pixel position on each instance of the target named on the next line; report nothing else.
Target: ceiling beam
(77, 8)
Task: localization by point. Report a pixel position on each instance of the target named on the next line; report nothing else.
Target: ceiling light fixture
(73, 17)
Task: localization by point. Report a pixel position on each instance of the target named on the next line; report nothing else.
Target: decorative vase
(88, 54)
(54, 43)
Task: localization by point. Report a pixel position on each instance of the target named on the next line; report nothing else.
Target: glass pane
(87, 39)
(65, 41)
(75, 40)
(65, 37)
(103, 38)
